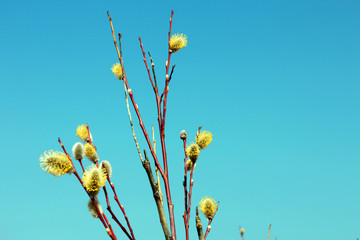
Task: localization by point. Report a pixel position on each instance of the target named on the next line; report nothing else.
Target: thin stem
(120, 44)
(134, 104)
(172, 70)
(147, 67)
(113, 215)
(107, 222)
(156, 169)
(153, 69)
(121, 207)
(185, 193)
(81, 165)
(163, 148)
(269, 232)
(157, 98)
(190, 192)
(87, 127)
(131, 124)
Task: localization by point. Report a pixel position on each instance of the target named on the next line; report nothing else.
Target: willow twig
(80, 161)
(190, 192)
(156, 169)
(269, 232)
(131, 123)
(136, 108)
(92, 199)
(113, 215)
(172, 70)
(162, 139)
(186, 223)
(199, 227)
(121, 207)
(153, 69)
(156, 195)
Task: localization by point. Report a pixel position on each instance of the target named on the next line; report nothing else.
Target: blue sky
(276, 82)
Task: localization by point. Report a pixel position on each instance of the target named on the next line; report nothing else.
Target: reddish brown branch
(121, 207)
(163, 148)
(172, 70)
(158, 106)
(186, 223)
(92, 199)
(87, 127)
(153, 69)
(147, 67)
(164, 173)
(190, 192)
(81, 165)
(135, 105)
(113, 215)
(107, 222)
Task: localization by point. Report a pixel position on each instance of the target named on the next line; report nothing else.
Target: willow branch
(113, 215)
(92, 199)
(172, 70)
(156, 195)
(131, 123)
(163, 148)
(156, 169)
(157, 98)
(136, 108)
(199, 225)
(82, 167)
(185, 193)
(153, 69)
(269, 232)
(190, 193)
(121, 207)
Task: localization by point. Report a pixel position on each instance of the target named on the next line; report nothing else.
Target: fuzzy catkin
(106, 164)
(91, 153)
(78, 151)
(92, 208)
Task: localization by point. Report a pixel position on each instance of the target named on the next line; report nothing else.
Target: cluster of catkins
(203, 139)
(94, 178)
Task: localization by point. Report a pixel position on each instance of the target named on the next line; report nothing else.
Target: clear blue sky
(276, 82)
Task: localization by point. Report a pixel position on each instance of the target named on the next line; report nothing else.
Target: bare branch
(156, 194)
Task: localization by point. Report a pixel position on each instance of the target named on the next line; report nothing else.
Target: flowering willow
(98, 175)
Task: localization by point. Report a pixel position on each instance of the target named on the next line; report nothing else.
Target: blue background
(276, 82)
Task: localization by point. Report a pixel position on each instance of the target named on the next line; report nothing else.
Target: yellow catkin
(117, 70)
(82, 133)
(55, 163)
(92, 208)
(90, 153)
(177, 41)
(189, 165)
(93, 179)
(193, 151)
(203, 139)
(107, 166)
(207, 207)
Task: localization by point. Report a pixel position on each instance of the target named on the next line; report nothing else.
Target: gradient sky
(276, 82)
